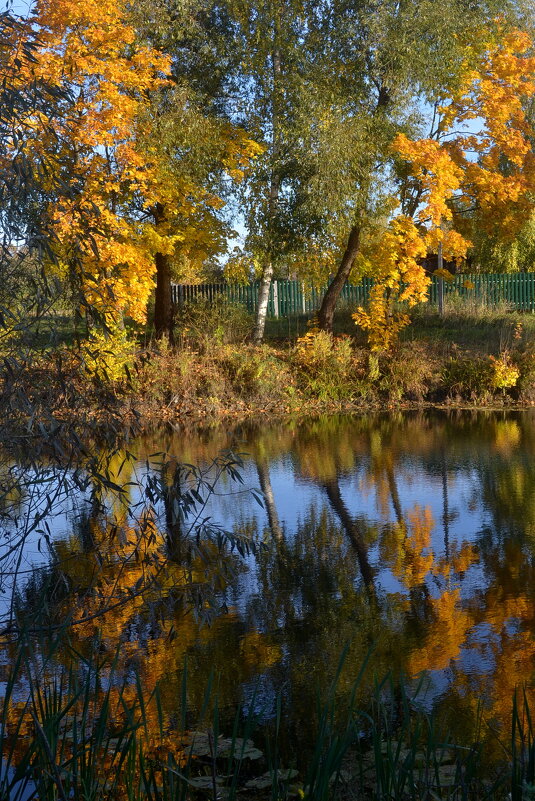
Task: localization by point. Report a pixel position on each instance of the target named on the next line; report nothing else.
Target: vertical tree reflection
(353, 527)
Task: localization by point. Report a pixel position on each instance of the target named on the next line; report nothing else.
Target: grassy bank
(471, 356)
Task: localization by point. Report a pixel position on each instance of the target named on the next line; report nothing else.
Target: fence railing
(289, 298)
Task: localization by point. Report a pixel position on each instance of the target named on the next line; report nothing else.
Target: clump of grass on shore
(440, 360)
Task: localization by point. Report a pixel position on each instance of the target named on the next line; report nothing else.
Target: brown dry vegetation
(468, 357)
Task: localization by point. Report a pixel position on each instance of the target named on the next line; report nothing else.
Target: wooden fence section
(289, 298)
(286, 298)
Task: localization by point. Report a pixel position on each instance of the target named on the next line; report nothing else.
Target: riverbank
(466, 359)
(318, 374)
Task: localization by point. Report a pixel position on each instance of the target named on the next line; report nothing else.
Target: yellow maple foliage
(107, 171)
(491, 171)
(90, 51)
(399, 274)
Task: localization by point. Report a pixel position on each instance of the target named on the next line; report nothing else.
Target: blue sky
(19, 6)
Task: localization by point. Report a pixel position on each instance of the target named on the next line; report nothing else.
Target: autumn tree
(90, 53)
(458, 176)
(380, 65)
(25, 103)
(199, 150)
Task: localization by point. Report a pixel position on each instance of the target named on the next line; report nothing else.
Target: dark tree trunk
(350, 527)
(173, 515)
(393, 487)
(330, 299)
(163, 306)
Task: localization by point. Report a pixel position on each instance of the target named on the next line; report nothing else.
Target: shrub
(202, 321)
(253, 372)
(408, 372)
(214, 380)
(504, 374)
(524, 360)
(327, 366)
(468, 378)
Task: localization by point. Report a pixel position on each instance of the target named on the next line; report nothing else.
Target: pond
(405, 539)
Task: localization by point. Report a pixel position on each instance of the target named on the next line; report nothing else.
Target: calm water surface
(412, 534)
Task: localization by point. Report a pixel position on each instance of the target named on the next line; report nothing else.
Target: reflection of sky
(420, 482)
(295, 496)
(24, 542)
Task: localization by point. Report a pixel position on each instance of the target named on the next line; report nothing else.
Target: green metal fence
(289, 298)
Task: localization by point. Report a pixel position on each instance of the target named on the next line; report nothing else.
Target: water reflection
(412, 534)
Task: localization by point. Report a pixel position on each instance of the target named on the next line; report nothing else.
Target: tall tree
(491, 173)
(268, 97)
(325, 86)
(90, 52)
(200, 149)
(392, 58)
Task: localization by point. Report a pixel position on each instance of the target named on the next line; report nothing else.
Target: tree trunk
(269, 499)
(173, 515)
(163, 306)
(274, 188)
(330, 299)
(263, 298)
(394, 494)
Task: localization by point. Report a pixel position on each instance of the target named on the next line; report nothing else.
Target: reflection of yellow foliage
(458, 561)
(507, 435)
(445, 636)
(408, 552)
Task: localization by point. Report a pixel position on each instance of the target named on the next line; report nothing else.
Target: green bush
(202, 321)
(408, 373)
(468, 378)
(253, 372)
(524, 359)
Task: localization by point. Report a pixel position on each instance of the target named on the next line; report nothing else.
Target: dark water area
(410, 536)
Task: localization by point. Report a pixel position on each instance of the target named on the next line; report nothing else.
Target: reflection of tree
(264, 479)
(352, 527)
(436, 615)
(124, 595)
(455, 602)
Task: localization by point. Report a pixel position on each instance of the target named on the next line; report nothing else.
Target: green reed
(83, 731)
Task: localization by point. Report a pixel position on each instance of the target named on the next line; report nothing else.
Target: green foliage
(490, 254)
(327, 367)
(203, 322)
(467, 378)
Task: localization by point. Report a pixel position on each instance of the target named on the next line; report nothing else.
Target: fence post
(440, 281)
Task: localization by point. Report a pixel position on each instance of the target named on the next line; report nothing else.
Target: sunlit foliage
(455, 172)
